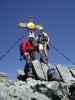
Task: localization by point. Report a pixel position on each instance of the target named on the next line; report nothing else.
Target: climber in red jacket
(28, 53)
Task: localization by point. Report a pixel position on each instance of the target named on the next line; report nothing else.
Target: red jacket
(26, 46)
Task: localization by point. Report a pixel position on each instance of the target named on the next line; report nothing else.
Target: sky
(57, 18)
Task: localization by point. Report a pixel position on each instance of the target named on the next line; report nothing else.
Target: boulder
(33, 89)
(40, 70)
(65, 73)
(62, 87)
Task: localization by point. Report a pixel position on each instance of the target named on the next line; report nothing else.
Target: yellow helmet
(31, 26)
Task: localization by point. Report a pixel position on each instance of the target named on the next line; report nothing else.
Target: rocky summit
(32, 89)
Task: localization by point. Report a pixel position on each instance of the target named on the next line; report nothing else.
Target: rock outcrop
(33, 89)
(36, 90)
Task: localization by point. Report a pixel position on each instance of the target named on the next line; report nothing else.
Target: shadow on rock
(46, 91)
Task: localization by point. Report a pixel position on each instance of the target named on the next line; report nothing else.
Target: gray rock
(32, 89)
(20, 72)
(65, 73)
(72, 72)
(40, 70)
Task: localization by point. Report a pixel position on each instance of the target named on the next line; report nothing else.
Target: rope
(19, 39)
(62, 54)
(10, 48)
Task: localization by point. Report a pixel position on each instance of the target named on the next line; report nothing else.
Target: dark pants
(29, 66)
